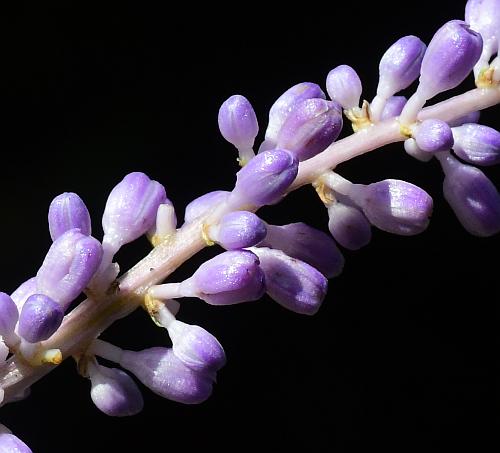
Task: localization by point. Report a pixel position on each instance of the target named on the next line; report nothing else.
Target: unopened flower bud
(12, 444)
(308, 244)
(477, 144)
(292, 283)
(472, 117)
(8, 315)
(348, 225)
(204, 204)
(412, 149)
(433, 135)
(114, 392)
(311, 127)
(68, 211)
(344, 86)
(237, 230)
(24, 290)
(265, 179)
(69, 266)
(393, 107)
(40, 317)
(131, 209)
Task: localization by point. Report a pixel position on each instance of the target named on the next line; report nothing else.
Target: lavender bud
(413, 150)
(229, 278)
(12, 444)
(310, 128)
(195, 347)
(131, 209)
(238, 123)
(165, 374)
(68, 211)
(400, 65)
(283, 106)
(114, 392)
(265, 178)
(292, 283)
(484, 17)
(393, 107)
(24, 290)
(8, 315)
(433, 135)
(344, 86)
(69, 266)
(350, 228)
(308, 244)
(40, 317)
(204, 204)
(472, 117)
(477, 144)
(450, 57)
(472, 196)
(237, 230)
(394, 206)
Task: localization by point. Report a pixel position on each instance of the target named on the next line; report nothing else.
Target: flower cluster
(290, 263)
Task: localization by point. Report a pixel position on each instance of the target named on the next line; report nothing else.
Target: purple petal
(477, 144)
(344, 86)
(347, 224)
(238, 229)
(204, 204)
(237, 122)
(433, 135)
(8, 315)
(40, 317)
(68, 211)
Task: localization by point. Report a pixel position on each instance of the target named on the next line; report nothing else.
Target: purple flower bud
(195, 347)
(131, 208)
(394, 206)
(310, 128)
(12, 444)
(69, 266)
(229, 278)
(237, 122)
(292, 283)
(40, 317)
(204, 204)
(477, 144)
(450, 57)
(165, 374)
(24, 291)
(413, 150)
(472, 196)
(400, 65)
(308, 244)
(433, 135)
(8, 315)
(350, 228)
(237, 230)
(284, 105)
(265, 178)
(114, 392)
(484, 17)
(343, 85)
(68, 211)
(393, 107)
(472, 117)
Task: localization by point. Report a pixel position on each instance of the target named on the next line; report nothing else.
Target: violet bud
(283, 106)
(311, 127)
(68, 211)
(238, 124)
(308, 244)
(204, 204)
(452, 53)
(472, 196)
(12, 444)
(195, 347)
(40, 317)
(348, 225)
(413, 150)
(433, 135)
(477, 144)
(8, 315)
(265, 179)
(472, 117)
(24, 290)
(292, 283)
(69, 266)
(237, 230)
(164, 373)
(229, 278)
(114, 392)
(344, 86)
(131, 209)
(394, 206)
(393, 107)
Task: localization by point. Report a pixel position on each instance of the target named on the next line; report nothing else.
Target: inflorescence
(291, 263)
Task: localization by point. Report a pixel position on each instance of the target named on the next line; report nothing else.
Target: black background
(400, 355)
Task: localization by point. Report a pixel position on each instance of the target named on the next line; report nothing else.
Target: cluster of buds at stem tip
(290, 263)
